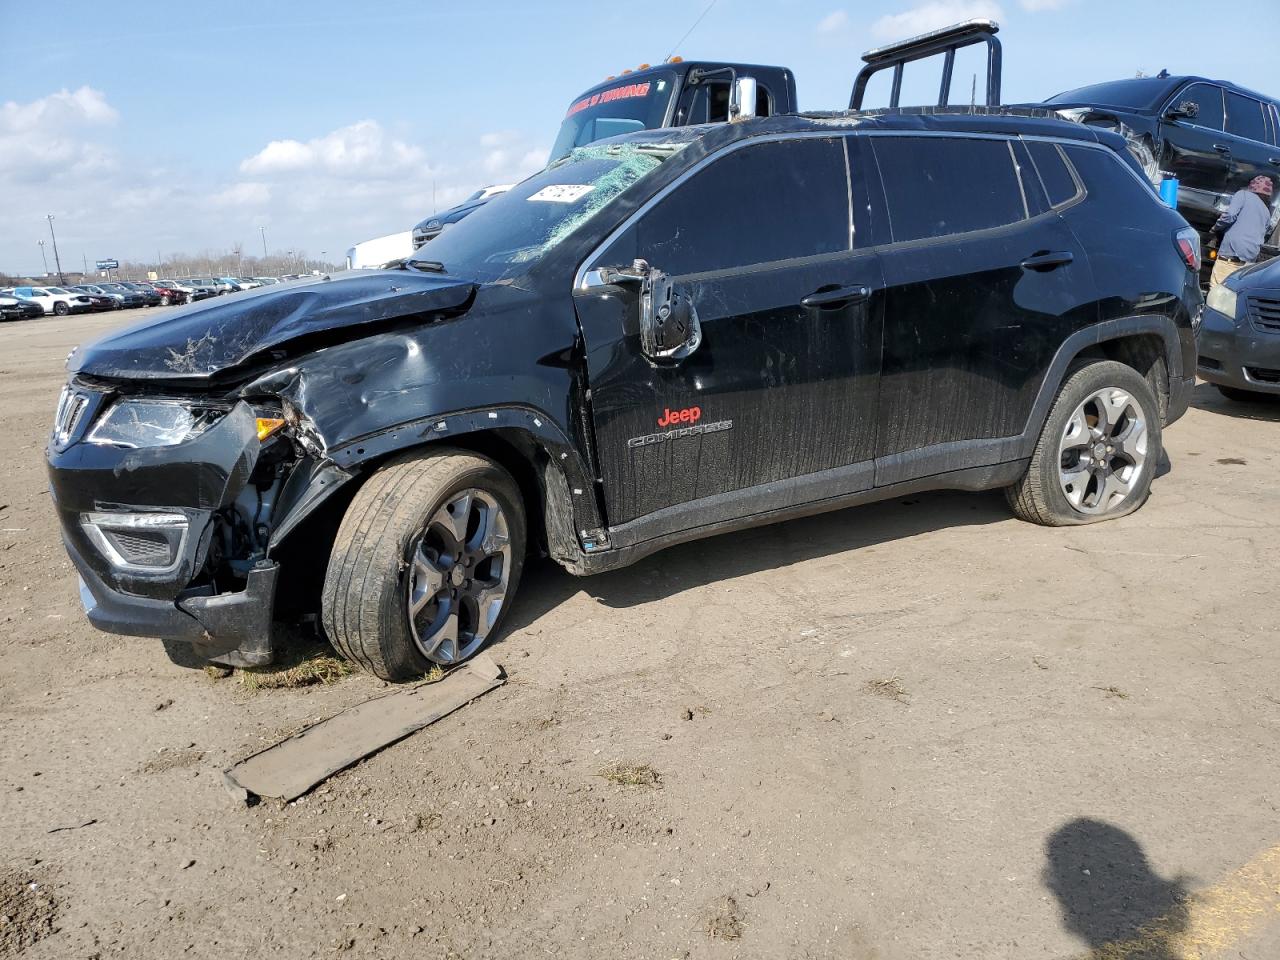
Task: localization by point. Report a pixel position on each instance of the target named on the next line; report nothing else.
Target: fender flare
(564, 475)
(1092, 336)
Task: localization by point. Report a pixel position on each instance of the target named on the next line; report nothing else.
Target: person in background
(1245, 223)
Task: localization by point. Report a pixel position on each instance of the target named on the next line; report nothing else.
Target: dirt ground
(920, 729)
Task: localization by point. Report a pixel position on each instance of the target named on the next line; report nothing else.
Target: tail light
(1188, 243)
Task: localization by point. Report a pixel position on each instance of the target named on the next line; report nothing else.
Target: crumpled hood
(212, 336)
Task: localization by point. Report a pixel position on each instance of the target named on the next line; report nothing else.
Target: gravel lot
(913, 730)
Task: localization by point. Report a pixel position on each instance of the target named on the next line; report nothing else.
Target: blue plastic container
(1169, 191)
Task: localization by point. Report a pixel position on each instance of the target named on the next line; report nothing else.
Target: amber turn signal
(267, 426)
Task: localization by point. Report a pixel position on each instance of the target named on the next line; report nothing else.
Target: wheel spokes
(428, 578)
(443, 646)
(455, 516)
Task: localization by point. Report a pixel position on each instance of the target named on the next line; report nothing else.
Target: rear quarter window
(1112, 186)
(938, 186)
(1055, 176)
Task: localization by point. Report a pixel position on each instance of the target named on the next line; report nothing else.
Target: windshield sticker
(627, 92)
(561, 193)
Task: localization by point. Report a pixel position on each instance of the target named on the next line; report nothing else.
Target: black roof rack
(945, 41)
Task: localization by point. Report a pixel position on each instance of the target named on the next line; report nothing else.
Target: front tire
(61, 309)
(1097, 452)
(425, 563)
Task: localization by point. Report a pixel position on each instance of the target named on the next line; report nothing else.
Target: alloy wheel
(460, 567)
(1103, 451)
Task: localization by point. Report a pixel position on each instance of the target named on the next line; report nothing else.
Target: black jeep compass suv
(660, 337)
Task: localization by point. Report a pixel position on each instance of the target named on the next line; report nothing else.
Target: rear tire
(1239, 396)
(61, 309)
(425, 564)
(1097, 451)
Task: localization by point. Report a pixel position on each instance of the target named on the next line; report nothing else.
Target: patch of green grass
(632, 775)
(323, 670)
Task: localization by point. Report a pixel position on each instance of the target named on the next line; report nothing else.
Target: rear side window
(760, 204)
(1245, 117)
(1055, 175)
(938, 186)
(1208, 101)
(1111, 184)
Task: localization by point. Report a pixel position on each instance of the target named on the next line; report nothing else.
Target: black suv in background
(663, 336)
(1213, 136)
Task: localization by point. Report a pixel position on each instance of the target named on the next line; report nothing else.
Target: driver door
(776, 405)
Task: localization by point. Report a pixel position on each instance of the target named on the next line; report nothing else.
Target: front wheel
(425, 563)
(61, 309)
(1097, 452)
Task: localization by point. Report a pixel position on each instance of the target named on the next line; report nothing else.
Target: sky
(146, 129)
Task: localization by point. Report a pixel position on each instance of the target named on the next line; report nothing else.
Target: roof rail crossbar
(946, 41)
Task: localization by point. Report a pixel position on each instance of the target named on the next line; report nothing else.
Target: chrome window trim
(1081, 191)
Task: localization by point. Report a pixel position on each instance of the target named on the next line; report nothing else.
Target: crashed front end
(166, 506)
(179, 458)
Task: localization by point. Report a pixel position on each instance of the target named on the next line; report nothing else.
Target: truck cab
(677, 93)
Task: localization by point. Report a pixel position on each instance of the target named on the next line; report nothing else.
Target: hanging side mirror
(1186, 110)
(669, 328)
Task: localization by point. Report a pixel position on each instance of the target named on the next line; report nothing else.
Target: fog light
(138, 542)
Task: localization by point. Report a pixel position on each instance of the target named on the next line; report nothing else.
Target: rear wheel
(1238, 395)
(61, 309)
(1097, 451)
(164, 301)
(425, 563)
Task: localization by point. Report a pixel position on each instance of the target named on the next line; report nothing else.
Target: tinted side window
(1208, 99)
(759, 204)
(937, 186)
(1244, 117)
(1111, 185)
(709, 103)
(1055, 175)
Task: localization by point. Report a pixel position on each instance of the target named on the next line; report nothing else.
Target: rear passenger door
(1248, 133)
(983, 282)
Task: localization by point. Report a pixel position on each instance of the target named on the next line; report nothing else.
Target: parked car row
(20, 303)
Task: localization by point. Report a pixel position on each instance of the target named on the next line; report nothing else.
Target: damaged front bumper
(159, 535)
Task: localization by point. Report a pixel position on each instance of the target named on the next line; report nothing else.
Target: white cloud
(1036, 6)
(326, 193)
(834, 22)
(362, 149)
(935, 14)
(58, 111)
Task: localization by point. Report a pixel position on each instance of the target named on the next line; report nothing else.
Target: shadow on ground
(1110, 897)
(672, 571)
(1264, 407)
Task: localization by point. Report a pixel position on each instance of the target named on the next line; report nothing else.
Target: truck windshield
(516, 228)
(1140, 94)
(625, 108)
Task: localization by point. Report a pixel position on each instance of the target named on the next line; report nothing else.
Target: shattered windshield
(516, 228)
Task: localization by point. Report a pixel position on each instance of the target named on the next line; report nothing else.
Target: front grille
(1264, 312)
(1263, 374)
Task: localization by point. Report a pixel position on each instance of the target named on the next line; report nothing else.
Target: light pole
(263, 231)
(57, 262)
(44, 257)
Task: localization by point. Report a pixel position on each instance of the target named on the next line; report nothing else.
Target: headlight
(153, 423)
(1223, 299)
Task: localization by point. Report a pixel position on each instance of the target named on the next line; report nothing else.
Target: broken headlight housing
(153, 423)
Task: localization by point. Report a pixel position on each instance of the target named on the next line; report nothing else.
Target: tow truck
(680, 92)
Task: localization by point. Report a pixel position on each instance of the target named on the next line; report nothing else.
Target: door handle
(1048, 261)
(1222, 148)
(1274, 161)
(833, 296)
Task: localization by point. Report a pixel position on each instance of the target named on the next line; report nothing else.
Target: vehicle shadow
(1110, 896)
(545, 585)
(1265, 407)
